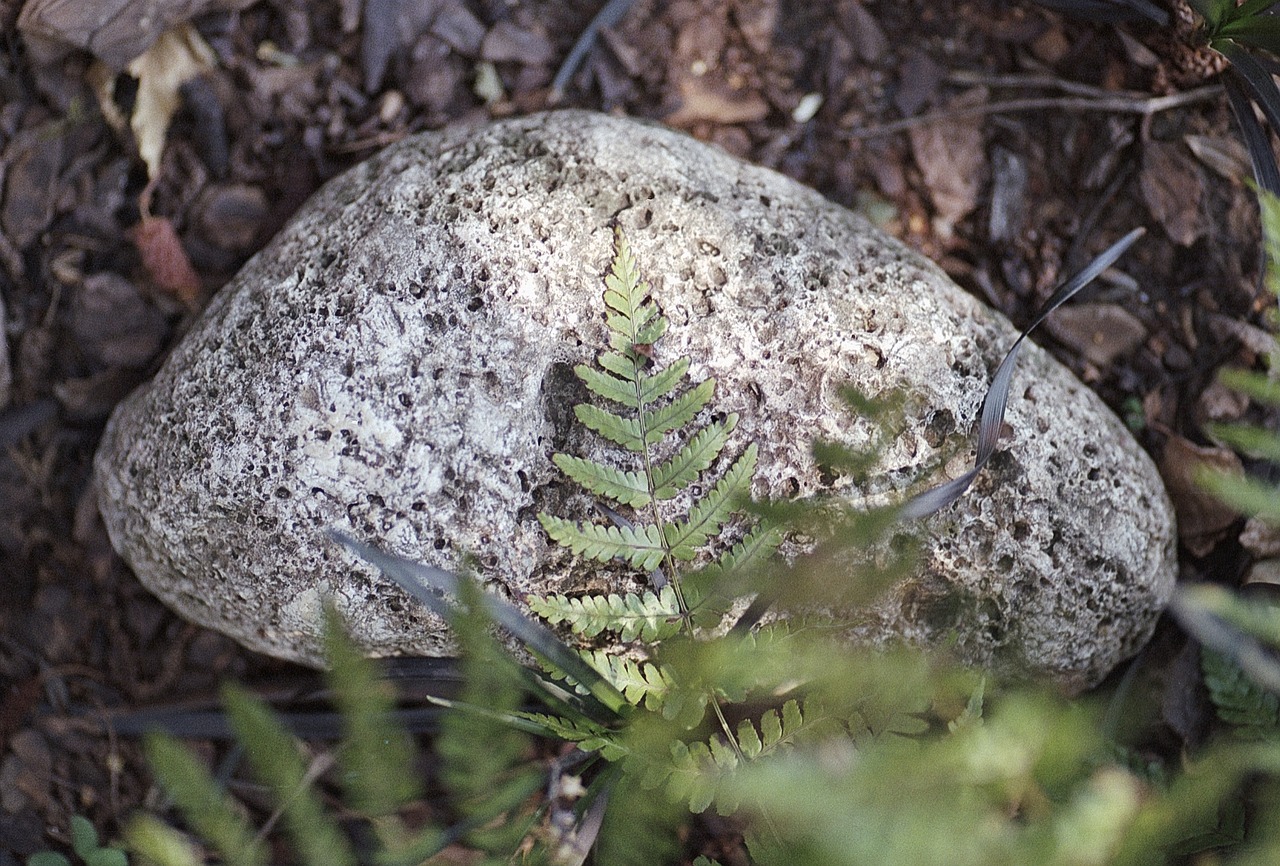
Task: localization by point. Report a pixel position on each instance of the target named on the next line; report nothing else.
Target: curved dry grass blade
(997, 399)
(429, 585)
(1256, 139)
(608, 16)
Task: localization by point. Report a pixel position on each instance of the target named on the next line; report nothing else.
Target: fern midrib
(646, 454)
(668, 558)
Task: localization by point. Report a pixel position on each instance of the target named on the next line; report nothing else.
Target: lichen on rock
(397, 363)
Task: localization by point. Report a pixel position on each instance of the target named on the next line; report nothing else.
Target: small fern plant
(648, 405)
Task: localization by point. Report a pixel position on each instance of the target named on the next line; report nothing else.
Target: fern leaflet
(709, 515)
(663, 383)
(697, 455)
(678, 412)
(626, 432)
(642, 683)
(610, 387)
(648, 617)
(627, 488)
(641, 546)
(1252, 710)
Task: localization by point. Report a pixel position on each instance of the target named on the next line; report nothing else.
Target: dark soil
(1007, 196)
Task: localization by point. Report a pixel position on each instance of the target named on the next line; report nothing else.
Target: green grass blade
(627, 488)
(273, 754)
(204, 805)
(1252, 441)
(377, 755)
(430, 585)
(1259, 386)
(1248, 495)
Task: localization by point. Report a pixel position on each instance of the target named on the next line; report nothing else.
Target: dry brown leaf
(115, 31)
(1265, 572)
(6, 371)
(1100, 332)
(33, 159)
(165, 260)
(951, 159)
(1173, 188)
(1226, 156)
(1202, 517)
(1260, 538)
(706, 100)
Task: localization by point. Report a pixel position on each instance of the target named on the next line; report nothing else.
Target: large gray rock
(397, 363)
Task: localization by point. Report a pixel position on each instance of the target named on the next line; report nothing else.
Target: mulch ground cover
(1007, 143)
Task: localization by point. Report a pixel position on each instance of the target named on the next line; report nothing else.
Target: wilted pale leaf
(176, 57)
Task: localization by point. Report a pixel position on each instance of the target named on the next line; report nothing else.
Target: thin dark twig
(608, 16)
(1144, 106)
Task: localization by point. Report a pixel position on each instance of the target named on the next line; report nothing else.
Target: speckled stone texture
(397, 364)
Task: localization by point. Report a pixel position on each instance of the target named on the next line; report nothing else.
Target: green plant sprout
(84, 842)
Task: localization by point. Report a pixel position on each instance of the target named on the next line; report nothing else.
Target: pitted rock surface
(398, 364)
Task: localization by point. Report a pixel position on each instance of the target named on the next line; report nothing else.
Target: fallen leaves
(1099, 332)
(33, 160)
(951, 159)
(177, 56)
(115, 31)
(165, 261)
(1173, 189)
(1202, 517)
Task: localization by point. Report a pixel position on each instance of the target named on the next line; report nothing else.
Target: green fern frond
(707, 591)
(589, 736)
(793, 726)
(1239, 701)
(375, 750)
(636, 434)
(277, 763)
(627, 488)
(642, 683)
(697, 772)
(709, 515)
(205, 806)
(648, 617)
(663, 382)
(619, 390)
(624, 366)
(641, 546)
(678, 412)
(694, 458)
(626, 432)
